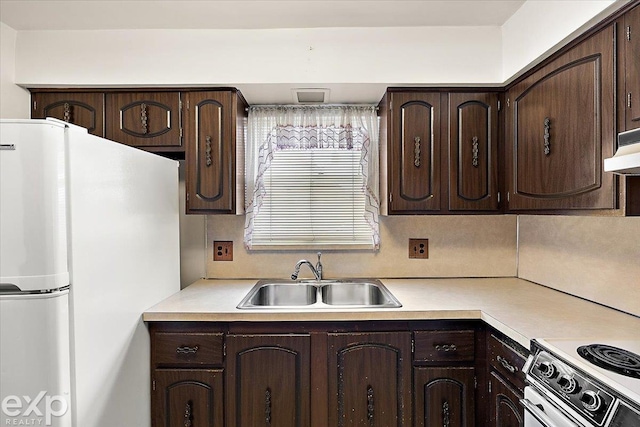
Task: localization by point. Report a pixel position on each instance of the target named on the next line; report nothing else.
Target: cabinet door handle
(143, 118)
(416, 151)
(446, 347)
(187, 350)
(547, 136)
(474, 151)
(207, 150)
(188, 414)
(370, 406)
(505, 363)
(67, 112)
(446, 416)
(267, 407)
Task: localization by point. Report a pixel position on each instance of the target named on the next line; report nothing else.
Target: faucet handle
(319, 266)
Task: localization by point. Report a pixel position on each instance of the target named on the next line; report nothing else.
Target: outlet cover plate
(419, 248)
(222, 251)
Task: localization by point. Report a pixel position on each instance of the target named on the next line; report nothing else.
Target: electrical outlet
(222, 251)
(419, 248)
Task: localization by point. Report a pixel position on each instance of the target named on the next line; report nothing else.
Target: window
(308, 178)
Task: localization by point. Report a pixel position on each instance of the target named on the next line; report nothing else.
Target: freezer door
(33, 226)
(35, 374)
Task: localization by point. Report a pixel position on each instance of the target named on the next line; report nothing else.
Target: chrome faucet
(317, 270)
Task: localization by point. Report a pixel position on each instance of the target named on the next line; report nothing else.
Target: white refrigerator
(89, 239)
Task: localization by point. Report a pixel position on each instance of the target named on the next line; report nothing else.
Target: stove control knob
(568, 384)
(547, 369)
(591, 401)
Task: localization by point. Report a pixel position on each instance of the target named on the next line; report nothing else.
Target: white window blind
(313, 197)
(312, 177)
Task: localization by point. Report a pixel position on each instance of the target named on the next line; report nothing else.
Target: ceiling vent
(310, 95)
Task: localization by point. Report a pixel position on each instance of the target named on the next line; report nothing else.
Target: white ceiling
(253, 14)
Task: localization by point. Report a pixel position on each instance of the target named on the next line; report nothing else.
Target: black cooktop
(614, 359)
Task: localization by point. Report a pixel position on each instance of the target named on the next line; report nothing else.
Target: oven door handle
(539, 414)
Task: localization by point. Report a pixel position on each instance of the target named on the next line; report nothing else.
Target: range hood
(626, 161)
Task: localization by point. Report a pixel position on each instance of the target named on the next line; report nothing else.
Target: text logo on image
(28, 411)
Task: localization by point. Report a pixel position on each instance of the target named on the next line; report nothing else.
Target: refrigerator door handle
(9, 288)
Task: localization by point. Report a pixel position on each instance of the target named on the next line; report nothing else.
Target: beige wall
(459, 246)
(597, 258)
(192, 240)
(14, 101)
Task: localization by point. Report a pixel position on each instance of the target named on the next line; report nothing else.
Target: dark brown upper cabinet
(79, 108)
(560, 127)
(148, 120)
(630, 58)
(473, 151)
(214, 131)
(436, 146)
(411, 126)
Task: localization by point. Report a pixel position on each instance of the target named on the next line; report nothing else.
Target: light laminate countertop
(520, 309)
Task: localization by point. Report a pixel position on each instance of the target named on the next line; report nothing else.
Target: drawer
(444, 346)
(504, 359)
(187, 349)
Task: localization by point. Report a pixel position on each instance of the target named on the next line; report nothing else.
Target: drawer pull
(508, 366)
(446, 417)
(144, 118)
(475, 151)
(267, 407)
(187, 350)
(446, 347)
(370, 406)
(547, 136)
(207, 151)
(188, 414)
(67, 113)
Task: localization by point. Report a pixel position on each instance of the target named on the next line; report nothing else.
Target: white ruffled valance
(273, 128)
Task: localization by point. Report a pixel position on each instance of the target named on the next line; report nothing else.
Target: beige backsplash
(597, 258)
(459, 246)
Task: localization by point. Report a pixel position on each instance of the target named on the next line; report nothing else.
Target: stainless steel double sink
(313, 294)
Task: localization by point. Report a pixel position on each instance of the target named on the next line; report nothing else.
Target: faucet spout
(317, 270)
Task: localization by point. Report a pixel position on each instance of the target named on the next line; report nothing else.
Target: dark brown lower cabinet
(444, 397)
(370, 379)
(366, 374)
(188, 398)
(268, 380)
(506, 410)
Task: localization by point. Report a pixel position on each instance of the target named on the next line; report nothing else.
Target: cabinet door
(82, 109)
(210, 152)
(506, 410)
(632, 67)
(187, 398)
(561, 126)
(268, 380)
(369, 379)
(473, 151)
(444, 397)
(414, 152)
(149, 120)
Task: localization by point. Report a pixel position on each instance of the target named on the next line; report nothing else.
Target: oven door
(539, 412)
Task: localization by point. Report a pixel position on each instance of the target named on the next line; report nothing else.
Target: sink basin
(313, 294)
(358, 293)
(280, 295)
